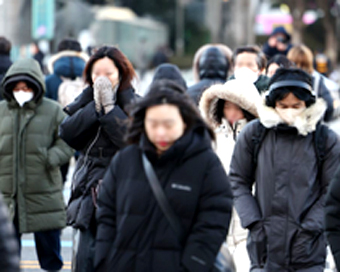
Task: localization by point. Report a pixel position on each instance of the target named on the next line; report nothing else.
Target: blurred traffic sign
(43, 19)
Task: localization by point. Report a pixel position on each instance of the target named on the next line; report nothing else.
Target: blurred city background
(176, 27)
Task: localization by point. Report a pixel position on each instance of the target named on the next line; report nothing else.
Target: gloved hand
(104, 94)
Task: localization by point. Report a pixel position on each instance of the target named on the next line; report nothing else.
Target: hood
(170, 72)
(282, 30)
(305, 123)
(243, 94)
(68, 63)
(211, 66)
(24, 70)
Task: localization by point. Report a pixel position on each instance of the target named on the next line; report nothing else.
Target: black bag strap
(161, 198)
(257, 141)
(320, 140)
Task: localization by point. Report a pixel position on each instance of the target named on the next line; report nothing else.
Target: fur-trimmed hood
(67, 53)
(305, 123)
(243, 94)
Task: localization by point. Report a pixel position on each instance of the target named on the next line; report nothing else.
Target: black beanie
(290, 80)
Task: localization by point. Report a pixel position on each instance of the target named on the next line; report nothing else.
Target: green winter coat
(31, 153)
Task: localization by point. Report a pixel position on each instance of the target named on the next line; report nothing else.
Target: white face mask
(246, 74)
(289, 115)
(22, 97)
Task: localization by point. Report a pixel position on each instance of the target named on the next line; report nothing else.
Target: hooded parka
(285, 216)
(66, 64)
(133, 233)
(31, 153)
(99, 135)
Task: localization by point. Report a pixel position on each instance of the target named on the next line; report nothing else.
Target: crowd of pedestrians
(238, 172)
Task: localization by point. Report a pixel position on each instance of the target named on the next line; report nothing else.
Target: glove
(104, 95)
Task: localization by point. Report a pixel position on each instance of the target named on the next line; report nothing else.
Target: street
(29, 260)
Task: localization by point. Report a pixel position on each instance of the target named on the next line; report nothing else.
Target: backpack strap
(320, 140)
(257, 140)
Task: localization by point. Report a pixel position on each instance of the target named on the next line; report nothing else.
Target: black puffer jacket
(286, 214)
(133, 233)
(83, 128)
(213, 68)
(9, 251)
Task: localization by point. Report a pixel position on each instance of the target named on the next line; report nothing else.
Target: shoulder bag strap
(161, 198)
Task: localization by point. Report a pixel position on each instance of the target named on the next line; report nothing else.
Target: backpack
(319, 138)
(69, 89)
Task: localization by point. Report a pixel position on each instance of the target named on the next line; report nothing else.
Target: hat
(281, 30)
(293, 80)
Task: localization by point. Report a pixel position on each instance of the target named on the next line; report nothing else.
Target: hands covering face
(104, 94)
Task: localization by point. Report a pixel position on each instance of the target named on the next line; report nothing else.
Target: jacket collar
(305, 123)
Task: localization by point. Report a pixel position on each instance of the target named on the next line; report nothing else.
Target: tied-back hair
(124, 66)
(160, 93)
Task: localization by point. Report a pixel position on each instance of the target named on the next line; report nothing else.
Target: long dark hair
(162, 92)
(125, 68)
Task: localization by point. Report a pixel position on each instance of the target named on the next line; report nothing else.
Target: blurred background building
(142, 27)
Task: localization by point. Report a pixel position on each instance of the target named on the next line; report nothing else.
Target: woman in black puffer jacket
(133, 232)
(95, 127)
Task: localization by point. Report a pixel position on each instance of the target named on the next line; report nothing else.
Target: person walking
(95, 127)
(302, 57)
(228, 108)
(211, 65)
(169, 139)
(290, 157)
(30, 155)
(249, 62)
(65, 83)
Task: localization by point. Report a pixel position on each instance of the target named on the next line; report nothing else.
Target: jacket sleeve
(242, 177)
(59, 153)
(211, 224)
(114, 125)
(332, 219)
(9, 250)
(326, 95)
(106, 216)
(78, 129)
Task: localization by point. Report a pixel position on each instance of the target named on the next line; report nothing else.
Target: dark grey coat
(285, 215)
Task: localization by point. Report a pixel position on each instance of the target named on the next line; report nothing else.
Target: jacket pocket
(308, 247)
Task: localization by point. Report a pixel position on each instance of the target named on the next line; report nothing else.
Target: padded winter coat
(101, 136)
(31, 153)
(68, 64)
(133, 233)
(285, 215)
